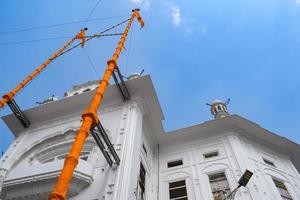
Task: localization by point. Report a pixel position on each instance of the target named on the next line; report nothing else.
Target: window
(211, 154)
(144, 148)
(49, 160)
(142, 182)
(58, 147)
(219, 108)
(284, 193)
(219, 185)
(177, 190)
(86, 90)
(216, 111)
(175, 163)
(268, 162)
(83, 156)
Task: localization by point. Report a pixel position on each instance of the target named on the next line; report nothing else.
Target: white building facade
(202, 162)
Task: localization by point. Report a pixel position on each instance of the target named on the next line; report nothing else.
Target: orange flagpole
(89, 117)
(9, 96)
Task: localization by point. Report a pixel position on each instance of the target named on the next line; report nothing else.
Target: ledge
(36, 181)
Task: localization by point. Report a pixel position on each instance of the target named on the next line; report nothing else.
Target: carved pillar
(129, 167)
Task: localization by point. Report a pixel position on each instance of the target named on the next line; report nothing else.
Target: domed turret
(219, 109)
(134, 75)
(85, 87)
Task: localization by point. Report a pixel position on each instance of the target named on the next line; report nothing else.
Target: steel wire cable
(90, 14)
(60, 24)
(51, 38)
(96, 35)
(128, 51)
(100, 34)
(91, 62)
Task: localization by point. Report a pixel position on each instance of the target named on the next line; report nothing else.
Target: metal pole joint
(91, 114)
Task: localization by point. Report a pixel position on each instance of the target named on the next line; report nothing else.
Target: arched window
(83, 156)
(215, 110)
(219, 108)
(58, 147)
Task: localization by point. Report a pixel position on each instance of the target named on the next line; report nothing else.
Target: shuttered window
(177, 190)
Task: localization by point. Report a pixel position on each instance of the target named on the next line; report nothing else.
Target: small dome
(50, 99)
(85, 87)
(218, 108)
(134, 75)
(216, 101)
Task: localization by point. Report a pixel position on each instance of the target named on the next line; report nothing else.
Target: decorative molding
(276, 174)
(173, 176)
(71, 118)
(214, 167)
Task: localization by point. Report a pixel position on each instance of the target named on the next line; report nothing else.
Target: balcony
(35, 182)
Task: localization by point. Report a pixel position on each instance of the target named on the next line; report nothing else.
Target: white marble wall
(128, 131)
(123, 124)
(235, 155)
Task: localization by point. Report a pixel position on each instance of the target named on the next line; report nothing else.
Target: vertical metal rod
(108, 143)
(101, 147)
(18, 113)
(123, 83)
(119, 86)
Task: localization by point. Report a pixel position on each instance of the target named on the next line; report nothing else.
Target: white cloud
(297, 1)
(145, 4)
(189, 25)
(192, 27)
(194, 30)
(174, 11)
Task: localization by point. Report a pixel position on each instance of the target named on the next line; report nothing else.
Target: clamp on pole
(137, 15)
(118, 78)
(105, 144)
(81, 35)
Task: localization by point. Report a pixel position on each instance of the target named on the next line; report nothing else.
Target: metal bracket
(18, 113)
(104, 144)
(231, 196)
(121, 84)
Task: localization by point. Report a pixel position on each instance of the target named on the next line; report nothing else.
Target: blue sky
(195, 51)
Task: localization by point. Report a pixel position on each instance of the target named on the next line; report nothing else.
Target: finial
(218, 108)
